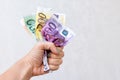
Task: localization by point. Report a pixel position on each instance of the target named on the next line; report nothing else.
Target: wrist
(19, 71)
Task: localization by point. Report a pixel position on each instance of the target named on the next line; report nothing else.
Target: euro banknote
(55, 32)
(29, 24)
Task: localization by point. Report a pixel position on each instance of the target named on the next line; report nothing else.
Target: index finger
(48, 46)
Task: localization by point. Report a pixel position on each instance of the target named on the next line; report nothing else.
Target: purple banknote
(55, 32)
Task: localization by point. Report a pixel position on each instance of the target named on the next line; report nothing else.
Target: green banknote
(29, 23)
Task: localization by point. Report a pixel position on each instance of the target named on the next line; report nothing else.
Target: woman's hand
(32, 64)
(35, 57)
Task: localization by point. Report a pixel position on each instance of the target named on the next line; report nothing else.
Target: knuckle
(40, 44)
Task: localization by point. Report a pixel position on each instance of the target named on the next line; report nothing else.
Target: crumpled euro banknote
(55, 32)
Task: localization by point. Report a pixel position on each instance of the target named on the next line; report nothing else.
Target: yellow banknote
(42, 16)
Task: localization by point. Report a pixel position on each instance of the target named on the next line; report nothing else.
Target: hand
(35, 57)
(31, 64)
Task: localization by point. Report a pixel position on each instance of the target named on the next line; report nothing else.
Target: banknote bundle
(47, 25)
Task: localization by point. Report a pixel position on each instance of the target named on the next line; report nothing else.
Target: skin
(31, 65)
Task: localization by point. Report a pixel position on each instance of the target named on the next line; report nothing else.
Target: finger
(58, 56)
(53, 68)
(55, 62)
(48, 46)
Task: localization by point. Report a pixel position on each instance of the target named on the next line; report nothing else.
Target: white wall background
(94, 54)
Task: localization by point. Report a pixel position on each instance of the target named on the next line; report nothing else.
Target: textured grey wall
(93, 54)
